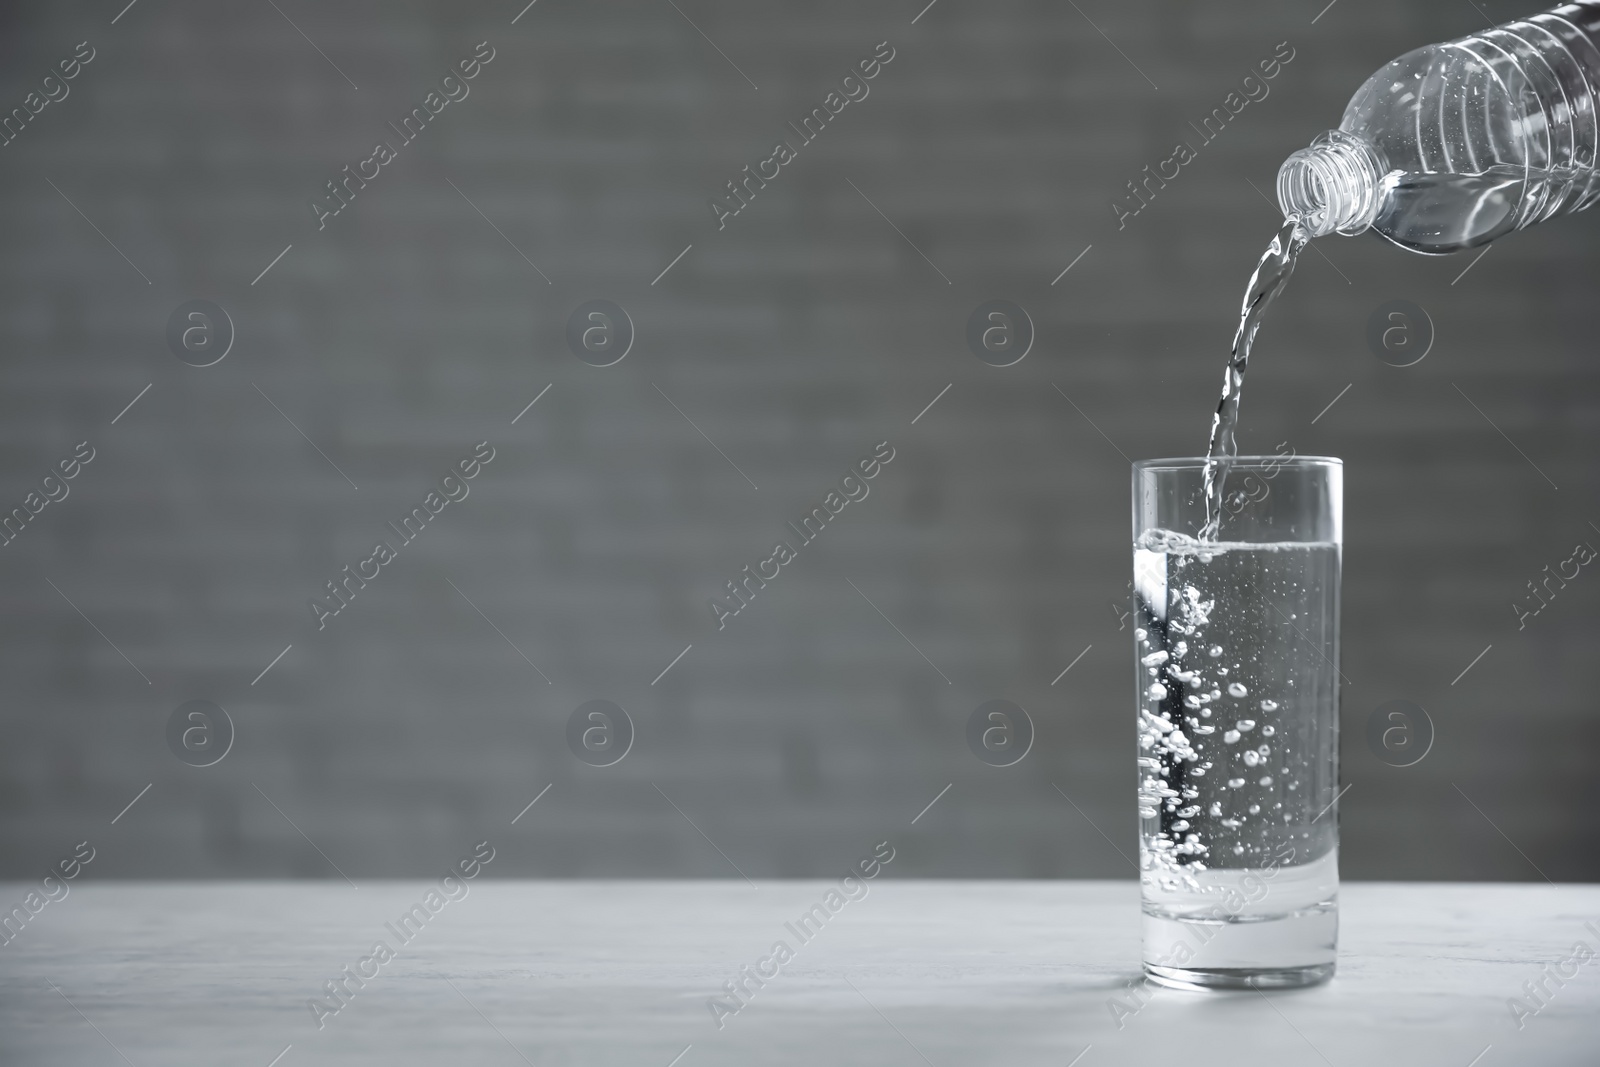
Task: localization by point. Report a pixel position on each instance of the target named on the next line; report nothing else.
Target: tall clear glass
(1236, 656)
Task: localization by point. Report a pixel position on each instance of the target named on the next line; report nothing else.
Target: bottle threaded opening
(1332, 186)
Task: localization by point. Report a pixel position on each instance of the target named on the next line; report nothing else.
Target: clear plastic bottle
(1456, 144)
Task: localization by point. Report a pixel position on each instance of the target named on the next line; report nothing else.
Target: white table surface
(601, 973)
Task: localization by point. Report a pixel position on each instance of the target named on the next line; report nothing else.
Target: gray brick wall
(796, 338)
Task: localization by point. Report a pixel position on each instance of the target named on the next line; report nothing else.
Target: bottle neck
(1332, 186)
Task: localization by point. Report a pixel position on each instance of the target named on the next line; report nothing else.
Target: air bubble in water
(1231, 736)
(1235, 783)
(1268, 731)
(1237, 690)
(1251, 757)
(1140, 635)
(1156, 692)
(1266, 779)
(1245, 725)
(1269, 705)
(1215, 809)
(1214, 651)
(1255, 809)
(1154, 658)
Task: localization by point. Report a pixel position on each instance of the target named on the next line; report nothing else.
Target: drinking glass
(1236, 656)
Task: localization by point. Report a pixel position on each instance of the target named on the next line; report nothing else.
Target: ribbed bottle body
(1466, 140)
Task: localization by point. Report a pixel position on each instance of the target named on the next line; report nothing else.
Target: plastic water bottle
(1456, 144)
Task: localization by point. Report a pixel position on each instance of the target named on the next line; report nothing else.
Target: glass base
(1238, 977)
(1259, 951)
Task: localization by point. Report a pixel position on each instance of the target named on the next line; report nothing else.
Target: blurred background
(767, 358)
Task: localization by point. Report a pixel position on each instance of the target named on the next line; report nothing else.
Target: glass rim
(1183, 463)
